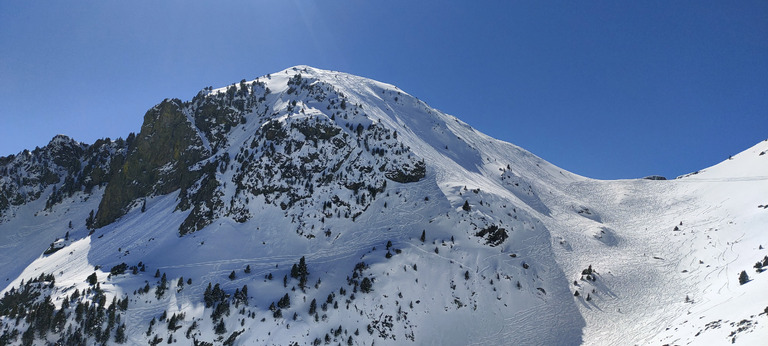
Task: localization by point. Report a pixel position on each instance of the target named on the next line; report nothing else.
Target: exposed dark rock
(158, 163)
(493, 234)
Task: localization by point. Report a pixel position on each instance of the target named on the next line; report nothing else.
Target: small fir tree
(92, 279)
(89, 221)
(366, 285)
(313, 307)
(743, 277)
(220, 327)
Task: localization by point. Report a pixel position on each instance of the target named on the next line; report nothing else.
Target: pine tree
(160, 290)
(220, 327)
(120, 334)
(28, 337)
(89, 220)
(743, 277)
(313, 307)
(284, 302)
(423, 235)
(466, 206)
(232, 275)
(303, 272)
(92, 279)
(366, 285)
(208, 296)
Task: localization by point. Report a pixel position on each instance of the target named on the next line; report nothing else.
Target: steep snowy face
(302, 133)
(310, 141)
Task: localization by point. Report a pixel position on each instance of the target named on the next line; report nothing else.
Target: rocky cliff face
(308, 137)
(159, 161)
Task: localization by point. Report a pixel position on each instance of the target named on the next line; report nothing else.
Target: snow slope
(655, 243)
(499, 271)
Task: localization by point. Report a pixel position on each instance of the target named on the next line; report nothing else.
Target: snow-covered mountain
(316, 207)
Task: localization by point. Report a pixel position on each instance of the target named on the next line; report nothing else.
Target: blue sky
(604, 89)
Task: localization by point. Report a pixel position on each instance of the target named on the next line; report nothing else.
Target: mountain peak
(378, 211)
(61, 140)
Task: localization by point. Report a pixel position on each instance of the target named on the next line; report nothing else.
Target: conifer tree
(313, 307)
(220, 327)
(302, 272)
(92, 279)
(89, 220)
(120, 334)
(284, 302)
(743, 277)
(366, 285)
(208, 296)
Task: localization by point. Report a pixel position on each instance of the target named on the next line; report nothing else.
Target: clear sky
(605, 89)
